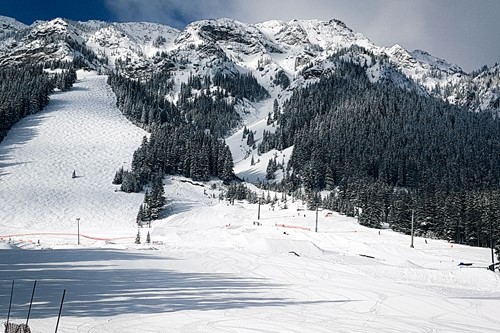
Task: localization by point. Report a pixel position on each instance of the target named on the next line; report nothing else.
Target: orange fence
(62, 234)
(292, 226)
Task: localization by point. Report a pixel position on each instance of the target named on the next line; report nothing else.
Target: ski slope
(80, 130)
(211, 267)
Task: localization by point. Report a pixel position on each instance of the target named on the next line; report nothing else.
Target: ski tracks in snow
(80, 130)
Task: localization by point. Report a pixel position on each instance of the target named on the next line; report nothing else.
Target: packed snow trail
(80, 130)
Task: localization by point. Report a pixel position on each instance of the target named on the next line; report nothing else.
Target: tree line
(25, 90)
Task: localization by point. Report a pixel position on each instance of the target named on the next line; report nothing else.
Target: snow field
(210, 268)
(80, 130)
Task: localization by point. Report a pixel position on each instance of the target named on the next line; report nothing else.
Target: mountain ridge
(265, 49)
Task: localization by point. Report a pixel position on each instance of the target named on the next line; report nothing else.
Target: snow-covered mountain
(298, 49)
(10, 26)
(215, 266)
(211, 267)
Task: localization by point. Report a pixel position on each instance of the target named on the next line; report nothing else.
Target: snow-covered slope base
(211, 267)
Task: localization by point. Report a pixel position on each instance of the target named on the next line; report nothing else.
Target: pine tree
(140, 216)
(118, 179)
(227, 168)
(144, 214)
(156, 198)
(271, 169)
(130, 183)
(250, 138)
(276, 110)
(138, 237)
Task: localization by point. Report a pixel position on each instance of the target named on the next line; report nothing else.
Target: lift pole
(316, 228)
(412, 229)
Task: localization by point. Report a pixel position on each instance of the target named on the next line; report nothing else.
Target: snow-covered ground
(211, 267)
(81, 130)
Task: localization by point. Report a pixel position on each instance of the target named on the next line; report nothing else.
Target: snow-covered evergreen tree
(138, 237)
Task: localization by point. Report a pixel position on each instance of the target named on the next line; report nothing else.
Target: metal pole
(31, 303)
(258, 213)
(491, 245)
(78, 223)
(412, 220)
(316, 228)
(60, 310)
(10, 305)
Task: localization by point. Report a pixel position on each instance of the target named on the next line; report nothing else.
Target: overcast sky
(465, 32)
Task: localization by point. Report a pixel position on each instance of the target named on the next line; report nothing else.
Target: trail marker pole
(10, 305)
(78, 226)
(60, 310)
(31, 303)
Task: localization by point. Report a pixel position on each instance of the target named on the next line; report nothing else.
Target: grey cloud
(464, 32)
(175, 13)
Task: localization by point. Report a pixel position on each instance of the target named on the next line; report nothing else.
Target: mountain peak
(11, 21)
(54, 26)
(10, 25)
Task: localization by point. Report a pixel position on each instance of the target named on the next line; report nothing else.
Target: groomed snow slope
(211, 267)
(80, 130)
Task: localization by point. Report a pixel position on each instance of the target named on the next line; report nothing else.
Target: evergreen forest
(186, 137)
(25, 90)
(384, 153)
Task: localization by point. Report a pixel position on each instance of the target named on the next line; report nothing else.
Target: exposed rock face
(301, 50)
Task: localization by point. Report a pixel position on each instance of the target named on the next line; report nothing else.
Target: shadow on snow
(22, 132)
(97, 285)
